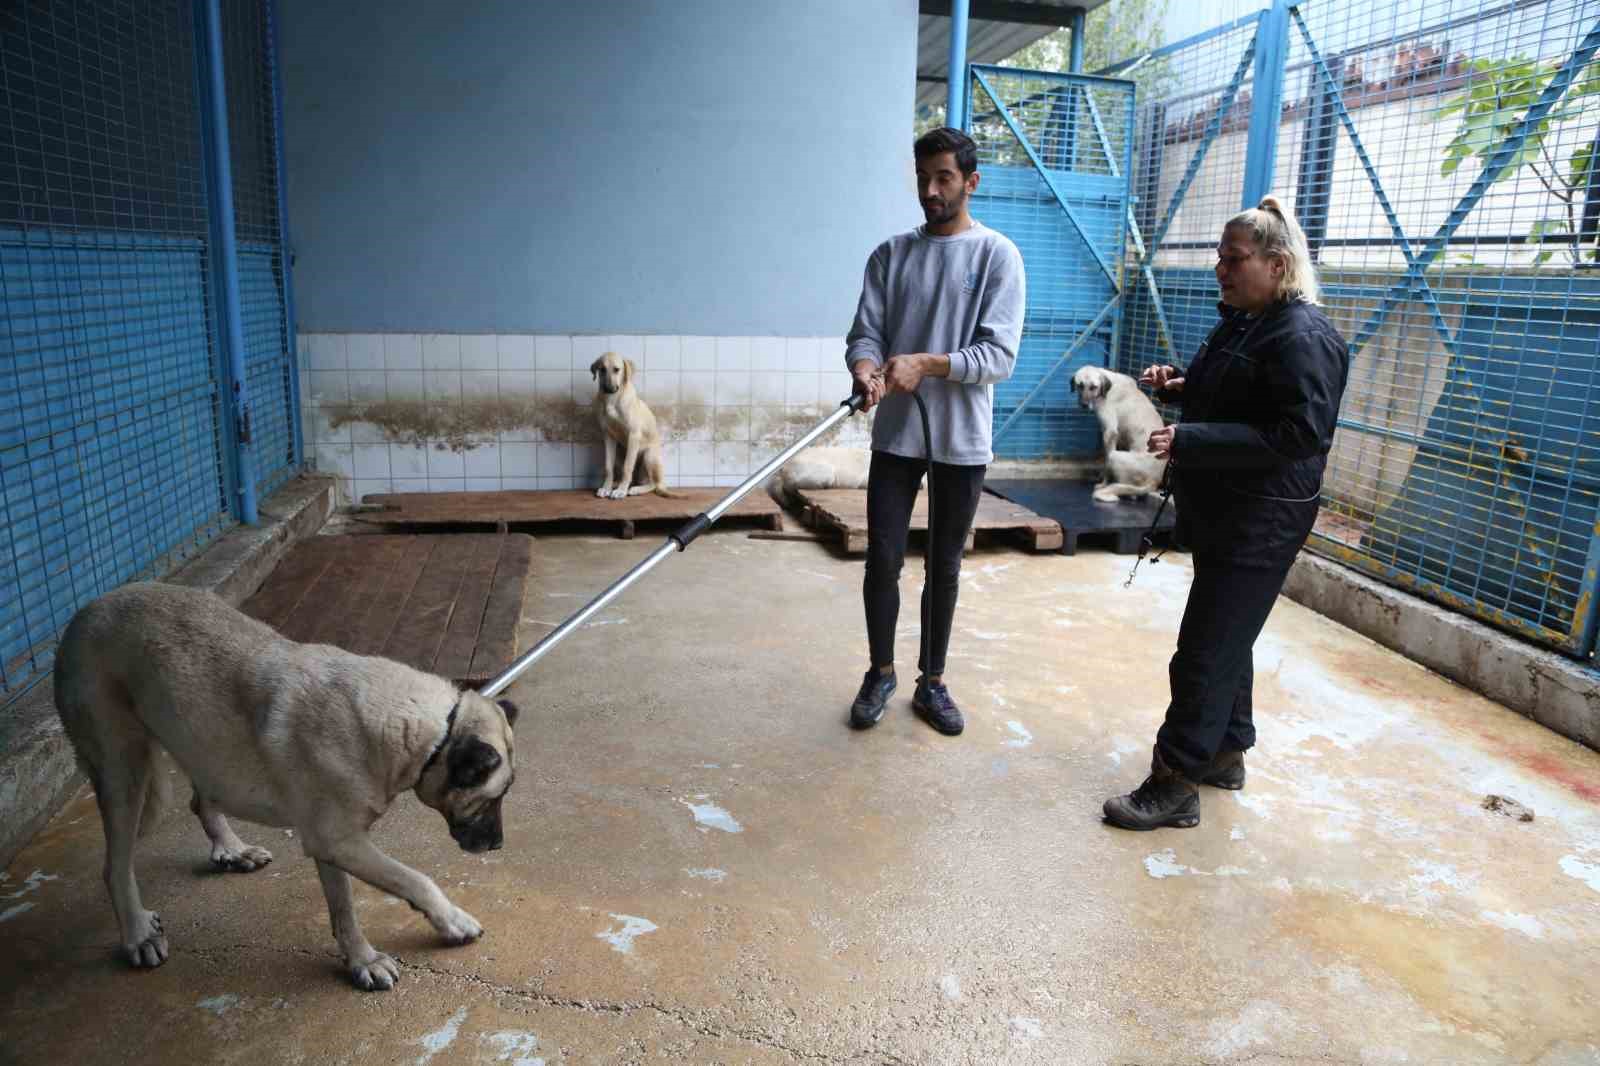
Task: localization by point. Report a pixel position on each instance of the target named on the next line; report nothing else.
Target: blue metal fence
(1054, 155)
(1438, 155)
(116, 459)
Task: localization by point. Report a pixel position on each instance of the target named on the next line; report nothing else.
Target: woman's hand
(1161, 440)
(1162, 377)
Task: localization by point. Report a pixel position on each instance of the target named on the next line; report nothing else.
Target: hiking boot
(1166, 798)
(933, 705)
(876, 688)
(1226, 771)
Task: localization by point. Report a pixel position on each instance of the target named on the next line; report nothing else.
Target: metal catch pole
(678, 541)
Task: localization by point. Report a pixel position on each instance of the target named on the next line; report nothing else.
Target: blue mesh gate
(118, 456)
(1054, 157)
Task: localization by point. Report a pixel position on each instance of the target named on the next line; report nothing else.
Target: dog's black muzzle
(607, 389)
(481, 833)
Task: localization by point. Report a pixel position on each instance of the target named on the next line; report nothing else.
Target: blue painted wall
(698, 166)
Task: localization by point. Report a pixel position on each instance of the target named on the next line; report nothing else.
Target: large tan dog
(626, 420)
(821, 467)
(285, 734)
(1127, 418)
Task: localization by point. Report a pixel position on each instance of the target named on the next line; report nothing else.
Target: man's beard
(944, 211)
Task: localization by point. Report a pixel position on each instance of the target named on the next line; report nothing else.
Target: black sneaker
(876, 688)
(933, 705)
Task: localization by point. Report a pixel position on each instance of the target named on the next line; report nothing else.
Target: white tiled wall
(726, 405)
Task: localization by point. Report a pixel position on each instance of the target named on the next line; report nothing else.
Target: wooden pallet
(525, 510)
(845, 512)
(448, 604)
(1072, 504)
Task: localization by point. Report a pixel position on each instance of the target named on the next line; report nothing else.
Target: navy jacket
(1260, 401)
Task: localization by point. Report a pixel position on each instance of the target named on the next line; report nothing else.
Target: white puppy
(626, 420)
(1127, 418)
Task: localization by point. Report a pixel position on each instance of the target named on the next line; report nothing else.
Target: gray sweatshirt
(962, 296)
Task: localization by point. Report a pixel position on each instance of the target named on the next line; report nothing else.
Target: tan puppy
(626, 420)
(285, 734)
(1127, 418)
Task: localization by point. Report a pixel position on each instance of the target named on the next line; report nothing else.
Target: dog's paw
(1104, 496)
(604, 492)
(619, 494)
(240, 860)
(376, 974)
(150, 949)
(457, 927)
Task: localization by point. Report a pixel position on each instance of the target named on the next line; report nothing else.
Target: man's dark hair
(948, 139)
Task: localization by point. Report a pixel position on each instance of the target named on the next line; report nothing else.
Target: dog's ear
(628, 370)
(471, 762)
(594, 367)
(510, 709)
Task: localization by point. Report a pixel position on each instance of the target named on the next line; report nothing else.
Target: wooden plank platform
(845, 511)
(448, 604)
(1072, 504)
(526, 510)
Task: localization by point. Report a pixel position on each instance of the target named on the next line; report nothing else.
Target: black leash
(1147, 543)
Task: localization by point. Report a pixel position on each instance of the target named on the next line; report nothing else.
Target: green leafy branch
(1500, 92)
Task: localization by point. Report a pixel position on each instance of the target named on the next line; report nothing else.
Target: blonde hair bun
(1277, 235)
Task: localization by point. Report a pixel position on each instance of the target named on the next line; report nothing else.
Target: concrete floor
(702, 864)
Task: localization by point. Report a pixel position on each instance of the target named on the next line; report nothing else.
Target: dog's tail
(661, 490)
(107, 737)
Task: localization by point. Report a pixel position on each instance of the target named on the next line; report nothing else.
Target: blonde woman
(1259, 401)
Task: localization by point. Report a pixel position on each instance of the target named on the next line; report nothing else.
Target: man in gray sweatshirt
(940, 316)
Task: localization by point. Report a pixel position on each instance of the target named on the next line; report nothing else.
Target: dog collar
(449, 724)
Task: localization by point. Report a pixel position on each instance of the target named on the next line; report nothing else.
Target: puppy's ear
(510, 709)
(628, 370)
(471, 762)
(594, 367)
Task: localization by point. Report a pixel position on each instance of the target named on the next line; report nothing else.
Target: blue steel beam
(1213, 128)
(286, 255)
(955, 107)
(1127, 65)
(1261, 150)
(1077, 343)
(1507, 149)
(1133, 227)
(223, 252)
(1055, 190)
(1337, 97)
(1075, 62)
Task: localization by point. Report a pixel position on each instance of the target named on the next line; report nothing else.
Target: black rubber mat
(1072, 504)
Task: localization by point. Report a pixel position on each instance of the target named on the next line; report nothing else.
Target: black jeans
(891, 493)
(1211, 673)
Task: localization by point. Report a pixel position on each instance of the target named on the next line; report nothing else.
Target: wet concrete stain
(441, 1038)
(621, 940)
(462, 425)
(709, 815)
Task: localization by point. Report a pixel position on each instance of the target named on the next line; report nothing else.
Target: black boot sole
(1187, 821)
